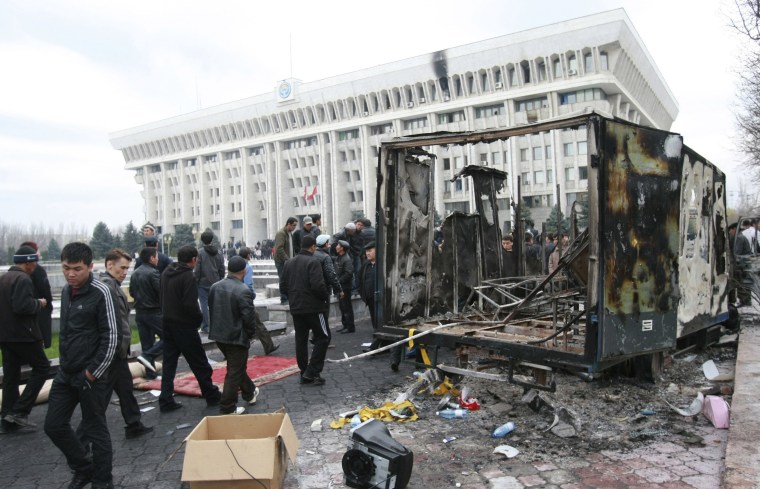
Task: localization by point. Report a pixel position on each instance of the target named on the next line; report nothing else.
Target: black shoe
(394, 367)
(6, 428)
(167, 408)
(341, 330)
(19, 419)
(315, 381)
(137, 430)
(347, 331)
(274, 349)
(102, 485)
(80, 480)
(213, 401)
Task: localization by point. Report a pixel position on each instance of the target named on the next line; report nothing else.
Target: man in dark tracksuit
(181, 318)
(20, 340)
(208, 271)
(117, 265)
(144, 287)
(302, 280)
(344, 268)
(89, 340)
(232, 325)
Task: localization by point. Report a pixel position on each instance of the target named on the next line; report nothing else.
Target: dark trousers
(357, 263)
(203, 298)
(148, 327)
(346, 309)
(236, 378)
(69, 390)
(316, 323)
(123, 387)
(262, 334)
(14, 356)
(185, 341)
(371, 305)
(279, 266)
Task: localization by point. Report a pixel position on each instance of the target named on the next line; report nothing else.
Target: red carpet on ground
(262, 370)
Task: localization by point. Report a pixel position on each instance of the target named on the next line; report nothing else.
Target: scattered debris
(508, 451)
(713, 374)
(694, 409)
(717, 410)
(316, 425)
(449, 439)
(183, 426)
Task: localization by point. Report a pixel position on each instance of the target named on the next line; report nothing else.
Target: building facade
(244, 167)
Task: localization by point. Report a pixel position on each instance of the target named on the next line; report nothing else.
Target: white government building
(244, 167)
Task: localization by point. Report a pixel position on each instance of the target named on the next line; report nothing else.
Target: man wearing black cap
(303, 282)
(344, 268)
(232, 324)
(20, 340)
(151, 240)
(367, 288)
(42, 290)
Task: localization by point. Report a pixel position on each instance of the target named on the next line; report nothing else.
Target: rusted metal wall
(639, 180)
(703, 265)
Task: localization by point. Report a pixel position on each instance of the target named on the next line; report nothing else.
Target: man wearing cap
(149, 234)
(367, 287)
(350, 236)
(262, 333)
(306, 226)
(42, 290)
(208, 270)
(284, 250)
(304, 283)
(20, 340)
(344, 268)
(321, 254)
(233, 325)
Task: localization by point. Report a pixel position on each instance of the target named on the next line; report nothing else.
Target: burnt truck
(651, 268)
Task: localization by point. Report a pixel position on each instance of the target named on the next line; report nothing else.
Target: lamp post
(168, 241)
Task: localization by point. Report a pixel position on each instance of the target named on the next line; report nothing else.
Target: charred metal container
(652, 266)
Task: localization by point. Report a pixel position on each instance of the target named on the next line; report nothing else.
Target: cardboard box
(234, 452)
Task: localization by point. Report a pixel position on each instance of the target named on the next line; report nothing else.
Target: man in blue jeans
(208, 271)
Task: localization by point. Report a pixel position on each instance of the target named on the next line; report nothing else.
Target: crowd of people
(540, 259)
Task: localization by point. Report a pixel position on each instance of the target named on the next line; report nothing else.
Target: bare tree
(746, 21)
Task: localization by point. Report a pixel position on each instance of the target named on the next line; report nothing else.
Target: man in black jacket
(117, 265)
(89, 339)
(20, 340)
(232, 325)
(209, 269)
(302, 280)
(144, 287)
(42, 291)
(344, 268)
(181, 318)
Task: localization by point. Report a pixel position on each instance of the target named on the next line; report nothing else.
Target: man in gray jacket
(232, 326)
(208, 270)
(117, 265)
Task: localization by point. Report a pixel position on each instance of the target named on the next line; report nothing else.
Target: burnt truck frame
(652, 267)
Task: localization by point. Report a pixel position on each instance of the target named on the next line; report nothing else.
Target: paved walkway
(29, 460)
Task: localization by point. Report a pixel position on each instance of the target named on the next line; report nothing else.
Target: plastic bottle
(452, 413)
(503, 430)
(356, 421)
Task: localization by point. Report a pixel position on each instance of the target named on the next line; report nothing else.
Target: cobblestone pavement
(29, 460)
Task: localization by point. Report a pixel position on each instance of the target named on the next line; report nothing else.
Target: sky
(75, 71)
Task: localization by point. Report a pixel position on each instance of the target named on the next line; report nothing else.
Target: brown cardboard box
(234, 452)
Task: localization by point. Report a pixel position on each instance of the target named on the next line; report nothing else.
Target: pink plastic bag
(717, 410)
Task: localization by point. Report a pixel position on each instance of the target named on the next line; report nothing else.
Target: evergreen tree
(525, 215)
(118, 242)
(183, 235)
(53, 250)
(102, 240)
(551, 222)
(132, 239)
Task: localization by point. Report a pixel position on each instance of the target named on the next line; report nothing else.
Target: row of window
(547, 176)
(546, 153)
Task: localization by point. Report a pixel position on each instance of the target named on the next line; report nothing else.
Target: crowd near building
(242, 168)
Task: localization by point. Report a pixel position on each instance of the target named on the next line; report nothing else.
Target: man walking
(117, 266)
(262, 333)
(303, 281)
(344, 268)
(144, 287)
(89, 339)
(232, 326)
(283, 250)
(181, 317)
(42, 290)
(20, 340)
(208, 271)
